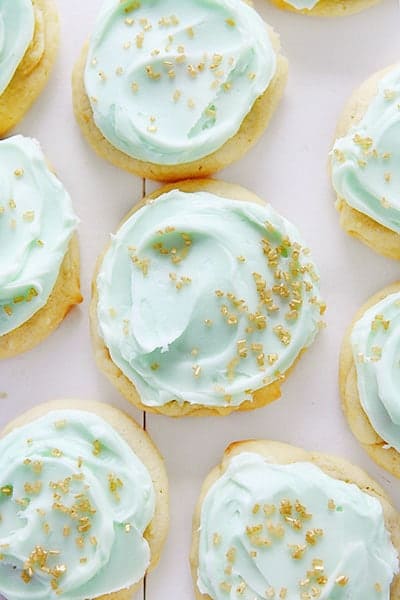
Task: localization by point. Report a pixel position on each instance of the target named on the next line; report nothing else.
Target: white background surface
(328, 58)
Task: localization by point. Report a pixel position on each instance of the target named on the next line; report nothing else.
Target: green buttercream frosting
(376, 349)
(75, 501)
(17, 26)
(291, 531)
(36, 225)
(203, 299)
(170, 81)
(365, 162)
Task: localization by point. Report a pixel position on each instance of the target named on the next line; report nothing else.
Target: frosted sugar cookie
(39, 255)
(325, 8)
(364, 164)
(29, 37)
(203, 301)
(84, 504)
(169, 89)
(369, 365)
(274, 521)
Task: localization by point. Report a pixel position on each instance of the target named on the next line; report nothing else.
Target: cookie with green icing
(369, 373)
(172, 89)
(83, 504)
(325, 8)
(39, 257)
(277, 522)
(364, 163)
(204, 301)
(29, 36)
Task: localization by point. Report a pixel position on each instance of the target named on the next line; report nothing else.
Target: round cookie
(215, 323)
(107, 468)
(363, 164)
(325, 8)
(206, 109)
(34, 42)
(39, 253)
(275, 521)
(365, 383)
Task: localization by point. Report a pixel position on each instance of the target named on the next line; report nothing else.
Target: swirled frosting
(204, 299)
(75, 501)
(36, 225)
(17, 25)
(291, 531)
(376, 351)
(365, 162)
(169, 81)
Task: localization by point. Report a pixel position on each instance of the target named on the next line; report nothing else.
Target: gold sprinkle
(231, 555)
(190, 32)
(388, 177)
(139, 40)
(134, 5)
(102, 75)
(56, 453)
(378, 587)
(6, 490)
(97, 447)
(119, 71)
(216, 539)
(66, 531)
(230, 22)
(342, 580)
(18, 172)
(8, 310)
(208, 322)
(155, 366)
(196, 370)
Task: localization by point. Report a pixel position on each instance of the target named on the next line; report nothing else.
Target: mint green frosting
(376, 350)
(36, 225)
(17, 26)
(303, 4)
(365, 162)
(75, 501)
(279, 531)
(204, 299)
(169, 81)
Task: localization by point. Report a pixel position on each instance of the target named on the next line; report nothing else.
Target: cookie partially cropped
(274, 521)
(364, 164)
(39, 254)
(170, 90)
(325, 8)
(29, 38)
(203, 301)
(369, 378)
(84, 504)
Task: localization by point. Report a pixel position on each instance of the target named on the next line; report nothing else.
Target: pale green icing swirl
(375, 342)
(17, 26)
(365, 163)
(169, 81)
(75, 501)
(303, 4)
(204, 299)
(36, 225)
(289, 532)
